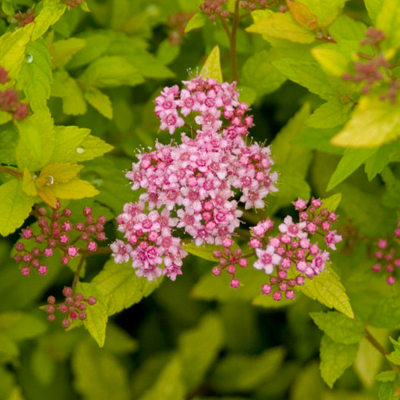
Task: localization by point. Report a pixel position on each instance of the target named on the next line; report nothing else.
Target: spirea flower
(196, 186)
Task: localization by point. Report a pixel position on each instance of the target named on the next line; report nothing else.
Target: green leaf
(73, 144)
(369, 361)
(327, 289)
(197, 21)
(97, 316)
(394, 356)
(50, 13)
(9, 350)
(99, 374)
(111, 71)
(330, 114)
(259, 74)
(97, 43)
(280, 26)
(12, 49)
(36, 141)
(205, 251)
(15, 206)
(68, 89)
(335, 359)
(8, 144)
(326, 11)
(5, 117)
(244, 373)
(386, 313)
(373, 7)
(338, 327)
(332, 202)
(121, 287)
(35, 76)
(168, 385)
(198, 349)
(351, 160)
(292, 161)
(387, 391)
(211, 287)
(307, 74)
(43, 365)
(373, 123)
(386, 376)
(167, 52)
(64, 50)
(100, 101)
(379, 159)
(347, 29)
(212, 66)
(388, 21)
(20, 325)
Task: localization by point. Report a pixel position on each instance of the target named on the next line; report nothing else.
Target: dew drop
(29, 58)
(49, 180)
(80, 150)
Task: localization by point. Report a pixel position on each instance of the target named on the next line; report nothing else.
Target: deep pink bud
(19, 246)
(66, 323)
(101, 236)
(42, 270)
(266, 289)
(227, 242)
(277, 296)
(66, 212)
(72, 251)
(67, 291)
(243, 262)
(51, 317)
(51, 299)
(91, 300)
(216, 271)
(391, 280)
(87, 211)
(235, 283)
(82, 316)
(92, 246)
(73, 315)
(290, 294)
(25, 271)
(27, 233)
(217, 253)
(49, 309)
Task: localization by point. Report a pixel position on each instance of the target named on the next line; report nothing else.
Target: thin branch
(78, 272)
(10, 171)
(235, 25)
(225, 26)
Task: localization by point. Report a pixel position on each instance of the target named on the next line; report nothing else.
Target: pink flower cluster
(55, 231)
(25, 18)
(216, 103)
(193, 185)
(213, 8)
(291, 257)
(387, 256)
(10, 103)
(73, 307)
(150, 242)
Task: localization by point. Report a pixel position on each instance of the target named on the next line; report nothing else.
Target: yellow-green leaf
(100, 101)
(36, 141)
(28, 185)
(63, 51)
(59, 172)
(74, 189)
(327, 289)
(280, 26)
(12, 49)
(35, 77)
(15, 206)
(373, 123)
(197, 21)
(212, 66)
(96, 321)
(325, 10)
(50, 13)
(330, 59)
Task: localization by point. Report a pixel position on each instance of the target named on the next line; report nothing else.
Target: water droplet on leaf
(80, 150)
(49, 180)
(29, 58)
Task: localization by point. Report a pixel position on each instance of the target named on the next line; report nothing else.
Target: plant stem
(77, 272)
(10, 171)
(225, 26)
(235, 25)
(368, 335)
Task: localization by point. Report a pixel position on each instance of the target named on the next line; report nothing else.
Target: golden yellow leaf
(212, 66)
(74, 189)
(28, 184)
(302, 15)
(56, 173)
(48, 196)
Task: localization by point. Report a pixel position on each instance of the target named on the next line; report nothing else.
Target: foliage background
(196, 338)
